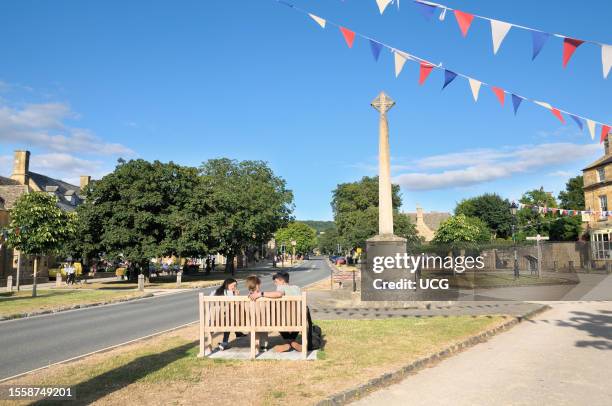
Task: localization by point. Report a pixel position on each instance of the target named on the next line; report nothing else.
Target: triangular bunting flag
(400, 60)
(577, 120)
(449, 76)
(319, 20)
(557, 114)
(427, 10)
(569, 47)
(464, 20)
(516, 102)
(499, 92)
(605, 130)
(606, 59)
(591, 127)
(349, 36)
(538, 39)
(543, 104)
(475, 86)
(375, 47)
(499, 30)
(424, 71)
(382, 5)
(442, 15)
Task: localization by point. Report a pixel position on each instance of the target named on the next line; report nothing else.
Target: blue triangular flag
(449, 76)
(538, 39)
(516, 102)
(577, 120)
(427, 10)
(376, 47)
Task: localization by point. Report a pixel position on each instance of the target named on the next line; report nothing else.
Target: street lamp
(513, 210)
(293, 244)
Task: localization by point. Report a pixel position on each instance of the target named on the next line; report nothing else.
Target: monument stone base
(385, 245)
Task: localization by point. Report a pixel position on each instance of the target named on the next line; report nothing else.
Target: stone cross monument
(383, 103)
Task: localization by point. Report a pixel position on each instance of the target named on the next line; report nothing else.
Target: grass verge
(165, 370)
(51, 299)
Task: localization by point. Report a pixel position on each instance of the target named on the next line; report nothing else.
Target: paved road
(31, 343)
(562, 357)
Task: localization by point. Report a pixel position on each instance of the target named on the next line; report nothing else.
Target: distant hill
(318, 225)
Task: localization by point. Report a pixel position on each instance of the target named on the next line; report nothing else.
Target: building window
(603, 203)
(600, 244)
(601, 174)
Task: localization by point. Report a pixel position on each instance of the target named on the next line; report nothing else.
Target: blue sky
(83, 83)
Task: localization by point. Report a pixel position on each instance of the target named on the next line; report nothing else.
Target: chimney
(21, 167)
(85, 181)
(607, 146)
(419, 217)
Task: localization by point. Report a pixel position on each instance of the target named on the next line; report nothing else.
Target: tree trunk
(229, 264)
(18, 270)
(144, 269)
(35, 275)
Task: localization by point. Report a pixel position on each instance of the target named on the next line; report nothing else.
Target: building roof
(10, 194)
(7, 181)
(431, 219)
(604, 160)
(60, 188)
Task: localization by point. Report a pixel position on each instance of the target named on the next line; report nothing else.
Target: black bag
(315, 334)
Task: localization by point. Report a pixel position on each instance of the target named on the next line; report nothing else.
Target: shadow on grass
(116, 379)
(9, 297)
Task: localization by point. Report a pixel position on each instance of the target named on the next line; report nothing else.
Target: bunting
(499, 30)
(564, 212)
(426, 67)
(382, 5)
(605, 130)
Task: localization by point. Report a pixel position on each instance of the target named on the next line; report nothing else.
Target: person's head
(253, 283)
(228, 284)
(281, 278)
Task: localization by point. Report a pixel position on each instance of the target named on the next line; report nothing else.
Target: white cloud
(486, 165)
(43, 126)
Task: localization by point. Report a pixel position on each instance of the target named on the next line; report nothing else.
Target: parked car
(340, 261)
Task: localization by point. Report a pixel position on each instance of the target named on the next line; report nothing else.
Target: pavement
(561, 357)
(35, 342)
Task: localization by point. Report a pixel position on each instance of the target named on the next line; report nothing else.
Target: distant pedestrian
(207, 267)
(212, 263)
(70, 273)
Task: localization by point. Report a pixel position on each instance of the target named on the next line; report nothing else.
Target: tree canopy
(304, 236)
(572, 197)
(355, 207)
(459, 229)
(491, 209)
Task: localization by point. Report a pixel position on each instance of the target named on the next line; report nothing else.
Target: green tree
(355, 207)
(329, 240)
(460, 229)
(530, 221)
(38, 227)
(491, 209)
(304, 236)
(248, 204)
(573, 196)
(141, 211)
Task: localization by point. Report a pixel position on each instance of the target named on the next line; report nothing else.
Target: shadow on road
(99, 386)
(597, 325)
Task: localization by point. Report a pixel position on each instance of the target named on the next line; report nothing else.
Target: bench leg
(253, 341)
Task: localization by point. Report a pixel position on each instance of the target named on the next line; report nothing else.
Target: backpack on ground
(315, 334)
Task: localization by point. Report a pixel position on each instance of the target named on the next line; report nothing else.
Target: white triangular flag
(591, 127)
(400, 60)
(319, 20)
(543, 104)
(606, 59)
(475, 86)
(499, 30)
(382, 5)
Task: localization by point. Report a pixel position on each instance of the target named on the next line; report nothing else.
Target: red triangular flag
(557, 114)
(499, 92)
(569, 46)
(349, 36)
(425, 70)
(464, 20)
(605, 129)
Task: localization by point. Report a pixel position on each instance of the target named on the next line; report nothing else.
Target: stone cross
(382, 104)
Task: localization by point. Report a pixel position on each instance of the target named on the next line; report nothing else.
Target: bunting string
(426, 67)
(499, 30)
(564, 212)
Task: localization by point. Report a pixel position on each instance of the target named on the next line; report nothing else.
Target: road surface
(30, 343)
(562, 357)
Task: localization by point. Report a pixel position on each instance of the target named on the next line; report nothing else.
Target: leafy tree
(491, 209)
(304, 236)
(573, 196)
(319, 225)
(141, 211)
(355, 207)
(38, 227)
(329, 240)
(530, 221)
(460, 229)
(247, 201)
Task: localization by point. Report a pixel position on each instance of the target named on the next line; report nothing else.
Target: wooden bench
(220, 314)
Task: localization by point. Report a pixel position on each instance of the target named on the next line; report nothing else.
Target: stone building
(598, 197)
(427, 223)
(21, 181)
